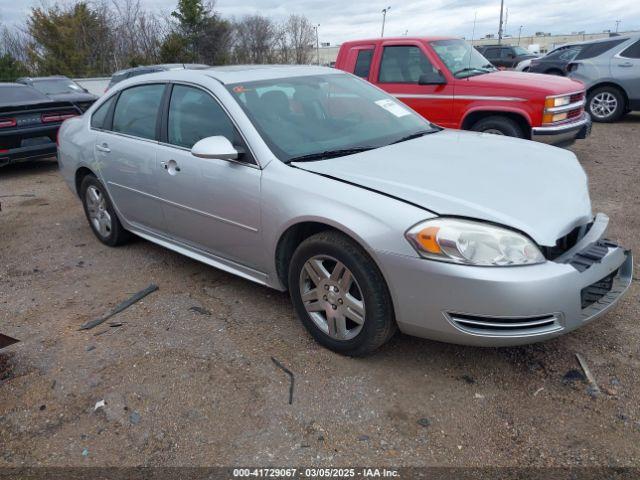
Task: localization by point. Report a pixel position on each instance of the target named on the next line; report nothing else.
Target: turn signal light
(428, 239)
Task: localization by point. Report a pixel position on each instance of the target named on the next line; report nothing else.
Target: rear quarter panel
(75, 148)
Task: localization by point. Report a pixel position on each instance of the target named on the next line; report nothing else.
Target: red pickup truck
(450, 83)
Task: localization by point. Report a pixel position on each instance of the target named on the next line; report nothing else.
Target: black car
(59, 87)
(555, 62)
(504, 56)
(135, 71)
(29, 123)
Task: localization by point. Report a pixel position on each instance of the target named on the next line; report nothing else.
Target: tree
(256, 39)
(73, 41)
(10, 68)
(300, 38)
(199, 34)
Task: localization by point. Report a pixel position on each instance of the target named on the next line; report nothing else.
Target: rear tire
(347, 307)
(498, 125)
(100, 213)
(606, 104)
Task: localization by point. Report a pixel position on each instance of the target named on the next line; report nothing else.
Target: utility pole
(618, 22)
(519, 33)
(500, 26)
(315, 27)
(384, 17)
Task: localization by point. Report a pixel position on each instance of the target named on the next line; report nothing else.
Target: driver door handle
(103, 148)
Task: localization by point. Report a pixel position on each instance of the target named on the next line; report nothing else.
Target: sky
(342, 20)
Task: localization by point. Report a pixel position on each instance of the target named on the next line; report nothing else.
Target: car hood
(537, 189)
(513, 80)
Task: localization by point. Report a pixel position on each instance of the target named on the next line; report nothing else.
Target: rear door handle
(103, 148)
(626, 64)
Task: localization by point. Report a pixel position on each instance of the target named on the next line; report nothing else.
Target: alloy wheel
(332, 297)
(603, 105)
(97, 210)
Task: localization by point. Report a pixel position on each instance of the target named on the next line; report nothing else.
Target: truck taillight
(7, 122)
(56, 117)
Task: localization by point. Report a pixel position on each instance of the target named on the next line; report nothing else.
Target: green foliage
(73, 41)
(10, 68)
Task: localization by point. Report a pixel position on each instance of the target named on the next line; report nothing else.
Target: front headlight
(472, 243)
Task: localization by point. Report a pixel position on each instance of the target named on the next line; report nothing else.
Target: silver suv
(612, 80)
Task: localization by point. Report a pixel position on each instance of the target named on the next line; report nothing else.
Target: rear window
(100, 115)
(633, 51)
(363, 63)
(592, 50)
(20, 93)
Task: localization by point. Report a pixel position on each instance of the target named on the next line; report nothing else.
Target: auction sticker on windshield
(393, 107)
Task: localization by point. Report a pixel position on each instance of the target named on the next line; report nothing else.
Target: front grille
(576, 97)
(594, 292)
(505, 326)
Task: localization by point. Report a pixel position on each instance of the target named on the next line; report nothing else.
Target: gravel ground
(185, 387)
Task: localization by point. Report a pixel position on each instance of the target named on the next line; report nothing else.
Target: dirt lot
(185, 388)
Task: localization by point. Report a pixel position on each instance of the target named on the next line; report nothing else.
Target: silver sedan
(312, 180)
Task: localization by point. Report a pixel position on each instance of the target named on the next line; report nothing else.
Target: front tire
(339, 295)
(100, 213)
(606, 104)
(498, 125)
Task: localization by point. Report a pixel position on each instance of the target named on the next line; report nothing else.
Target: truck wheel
(498, 125)
(339, 295)
(606, 104)
(555, 71)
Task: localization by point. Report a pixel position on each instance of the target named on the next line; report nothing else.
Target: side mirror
(215, 147)
(432, 78)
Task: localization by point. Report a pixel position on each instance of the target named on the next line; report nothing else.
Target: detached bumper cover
(563, 134)
(501, 306)
(44, 146)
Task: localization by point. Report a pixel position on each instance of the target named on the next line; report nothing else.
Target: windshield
(58, 85)
(520, 51)
(324, 116)
(461, 58)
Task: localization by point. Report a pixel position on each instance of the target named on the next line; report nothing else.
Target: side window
(137, 110)
(633, 51)
(492, 53)
(194, 115)
(403, 64)
(506, 53)
(363, 63)
(100, 115)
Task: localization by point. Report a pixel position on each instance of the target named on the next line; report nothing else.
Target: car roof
(400, 39)
(232, 74)
(620, 38)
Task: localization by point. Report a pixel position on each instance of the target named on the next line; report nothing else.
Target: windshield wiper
(472, 69)
(329, 154)
(413, 135)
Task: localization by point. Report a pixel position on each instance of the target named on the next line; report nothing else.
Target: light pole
(384, 17)
(315, 27)
(519, 33)
(500, 26)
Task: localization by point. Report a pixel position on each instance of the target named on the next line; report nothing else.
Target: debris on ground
(6, 340)
(535, 394)
(134, 418)
(99, 404)
(291, 377)
(593, 385)
(124, 305)
(468, 379)
(572, 376)
(18, 195)
(200, 310)
(424, 422)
